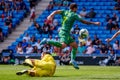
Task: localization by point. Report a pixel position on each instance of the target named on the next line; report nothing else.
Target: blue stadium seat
(45, 35)
(5, 54)
(19, 40)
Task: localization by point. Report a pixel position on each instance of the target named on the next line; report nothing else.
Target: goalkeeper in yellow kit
(40, 68)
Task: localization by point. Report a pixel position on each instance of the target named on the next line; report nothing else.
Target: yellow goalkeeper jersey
(46, 66)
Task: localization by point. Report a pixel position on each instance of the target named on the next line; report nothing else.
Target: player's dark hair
(73, 5)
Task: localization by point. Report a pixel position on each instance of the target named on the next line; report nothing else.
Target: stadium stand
(16, 11)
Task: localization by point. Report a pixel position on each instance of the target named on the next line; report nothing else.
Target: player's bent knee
(63, 45)
(74, 45)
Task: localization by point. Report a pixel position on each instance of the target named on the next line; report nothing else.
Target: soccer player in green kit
(69, 17)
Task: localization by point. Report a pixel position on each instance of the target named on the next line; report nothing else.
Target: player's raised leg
(54, 43)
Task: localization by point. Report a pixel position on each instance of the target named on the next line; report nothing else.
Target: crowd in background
(31, 45)
(95, 45)
(7, 8)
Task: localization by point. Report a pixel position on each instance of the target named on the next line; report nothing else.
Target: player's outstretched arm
(89, 22)
(50, 17)
(114, 36)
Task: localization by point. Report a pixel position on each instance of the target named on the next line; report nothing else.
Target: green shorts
(65, 37)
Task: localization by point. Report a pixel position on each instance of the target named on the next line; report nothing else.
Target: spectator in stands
(110, 26)
(58, 30)
(8, 22)
(38, 27)
(32, 40)
(3, 17)
(32, 14)
(56, 38)
(76, 29)
(14, 5)
(90, 49)
(95, 41)
(117, 5)
(91, 14)
(109, 46)
(116, 26)
(50, 49)
(35, 49)
(115, 18)
(46, 28)
(38, 44)
(67, 49)
(22, 5)
(17, 5)
(5, 60)
(107, 17)
(27, 37)
(58, 2)
(5, 12)
(50, 37)
(81, 48)
(32, 3)
(89, 41)
(10, 13)
(52, 27)
(103, 49)
(29, 49)
(24, 45)
(83, 13)
(100, 44)
(117, 62)
(1, 35)
(65, 58)
(51, 5)
(19, 49)
(2, 6)
(65, 3)
(109, 49)
(44, 48)
(111, 58)
(116, 46)
(55, 23)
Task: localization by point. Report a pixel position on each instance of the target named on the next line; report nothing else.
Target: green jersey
(69, 17)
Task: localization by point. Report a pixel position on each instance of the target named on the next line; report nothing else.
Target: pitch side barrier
(81, 59)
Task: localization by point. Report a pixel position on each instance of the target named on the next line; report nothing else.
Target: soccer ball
(83, 33)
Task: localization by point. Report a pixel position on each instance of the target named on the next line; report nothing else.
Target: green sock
(73, 53)
(54, 43)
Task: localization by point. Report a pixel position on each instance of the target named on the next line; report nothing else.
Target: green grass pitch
(7, 72)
